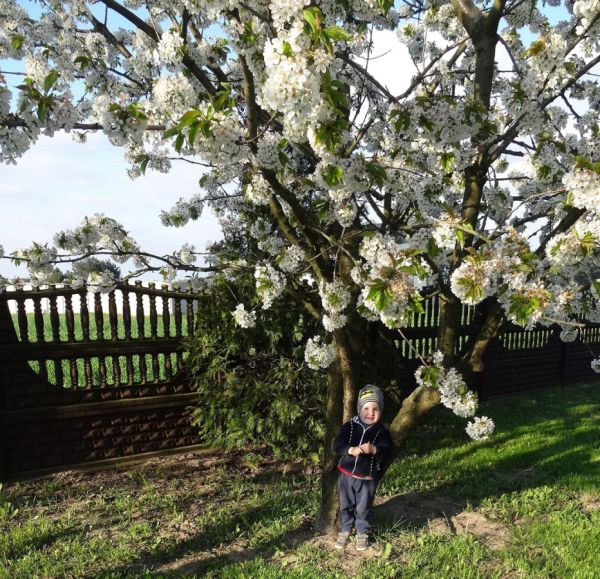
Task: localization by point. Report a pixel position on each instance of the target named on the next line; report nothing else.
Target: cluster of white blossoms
(290, 259)
(40, 262)
(454, 394)
(292, 86)
(170, 48)
(444, 232)
(270, 284)
(186, 254)
(120, 129)
(100, 282)
(98, 232)
(244, 318)
(569, 335)
(480, 428)
(318, 355)
(182, 212)
(398, 272)
(584, 186)
(595, 364)
(258, 191)
(335, 298)
(268, 152)
(171, 97)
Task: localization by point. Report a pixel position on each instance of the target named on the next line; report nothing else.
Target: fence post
(7, 336)
(564, 357)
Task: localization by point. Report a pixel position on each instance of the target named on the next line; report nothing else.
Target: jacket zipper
(361, 439)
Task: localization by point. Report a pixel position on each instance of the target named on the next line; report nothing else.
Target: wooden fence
(97, 387)
(517, 361)
(91, 385)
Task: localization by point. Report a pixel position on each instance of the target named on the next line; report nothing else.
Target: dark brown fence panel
(84, 385)
(95, 385)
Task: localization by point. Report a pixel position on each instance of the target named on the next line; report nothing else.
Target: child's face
(370, 413)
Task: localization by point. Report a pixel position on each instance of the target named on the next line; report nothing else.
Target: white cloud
(58, 182)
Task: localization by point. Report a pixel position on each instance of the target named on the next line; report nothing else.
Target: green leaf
(188, 118)
(337, 33)
(313, 16)
(83, 61)
(222, 101)
(179, 141)
(143, 159)
(380, 294)
(535, 48)
(447, 161)
(385, 5)
(333, 175)
(171, 132)
(193, 132)
(16, 41)
(321, 207)
(44, 105)
(205, 128)
(287, 49)
(50, 79)
(376, 174)
(414, 304)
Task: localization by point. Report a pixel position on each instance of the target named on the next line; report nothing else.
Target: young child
(363, 444)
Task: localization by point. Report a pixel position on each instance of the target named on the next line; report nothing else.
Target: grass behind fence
(137, 360)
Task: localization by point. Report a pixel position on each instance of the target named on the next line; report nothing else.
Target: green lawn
(531, 495)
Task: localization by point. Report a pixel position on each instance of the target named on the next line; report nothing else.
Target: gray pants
(356, 503)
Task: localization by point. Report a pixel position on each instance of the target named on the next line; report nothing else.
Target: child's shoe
(362, 542)
(342, 539)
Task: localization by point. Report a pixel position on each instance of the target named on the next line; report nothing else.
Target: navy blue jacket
(354, 433)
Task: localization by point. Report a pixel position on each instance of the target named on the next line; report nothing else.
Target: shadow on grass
(215, 547)
(539, 442)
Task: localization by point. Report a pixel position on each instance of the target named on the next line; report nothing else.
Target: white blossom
(318, 355)
(100, 282)
(243, 318)
(270, 284)
(480, 428)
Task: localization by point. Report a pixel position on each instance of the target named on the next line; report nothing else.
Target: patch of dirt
(496, 535)
(441, 515)
(589, 503)
(416, 509)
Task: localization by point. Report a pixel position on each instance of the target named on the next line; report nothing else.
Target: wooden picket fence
(93, 385)
(97, 380)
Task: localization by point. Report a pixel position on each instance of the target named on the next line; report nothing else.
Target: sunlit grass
(221, 516)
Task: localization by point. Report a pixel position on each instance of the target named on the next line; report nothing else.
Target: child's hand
(355, 450)
(368, 448)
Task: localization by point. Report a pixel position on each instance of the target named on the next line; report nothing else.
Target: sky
(58, 182)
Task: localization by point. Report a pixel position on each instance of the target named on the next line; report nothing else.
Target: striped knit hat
(369, 393)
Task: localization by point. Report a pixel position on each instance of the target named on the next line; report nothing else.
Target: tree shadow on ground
(220, 544)
(568, 453)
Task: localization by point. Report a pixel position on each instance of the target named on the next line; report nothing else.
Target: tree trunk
(340, 407)
(328, 510)
(421, 401)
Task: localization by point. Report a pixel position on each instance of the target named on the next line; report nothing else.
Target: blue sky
(58, 182)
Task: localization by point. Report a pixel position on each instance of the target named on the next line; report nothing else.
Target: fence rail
(86, 378)
(93, 382)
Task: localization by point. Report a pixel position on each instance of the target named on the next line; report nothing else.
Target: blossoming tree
(376, 195)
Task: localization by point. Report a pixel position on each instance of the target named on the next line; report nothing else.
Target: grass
(536, 484)
(110, 362)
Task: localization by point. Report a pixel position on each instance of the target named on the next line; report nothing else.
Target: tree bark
(421, 401)
(328, 511)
